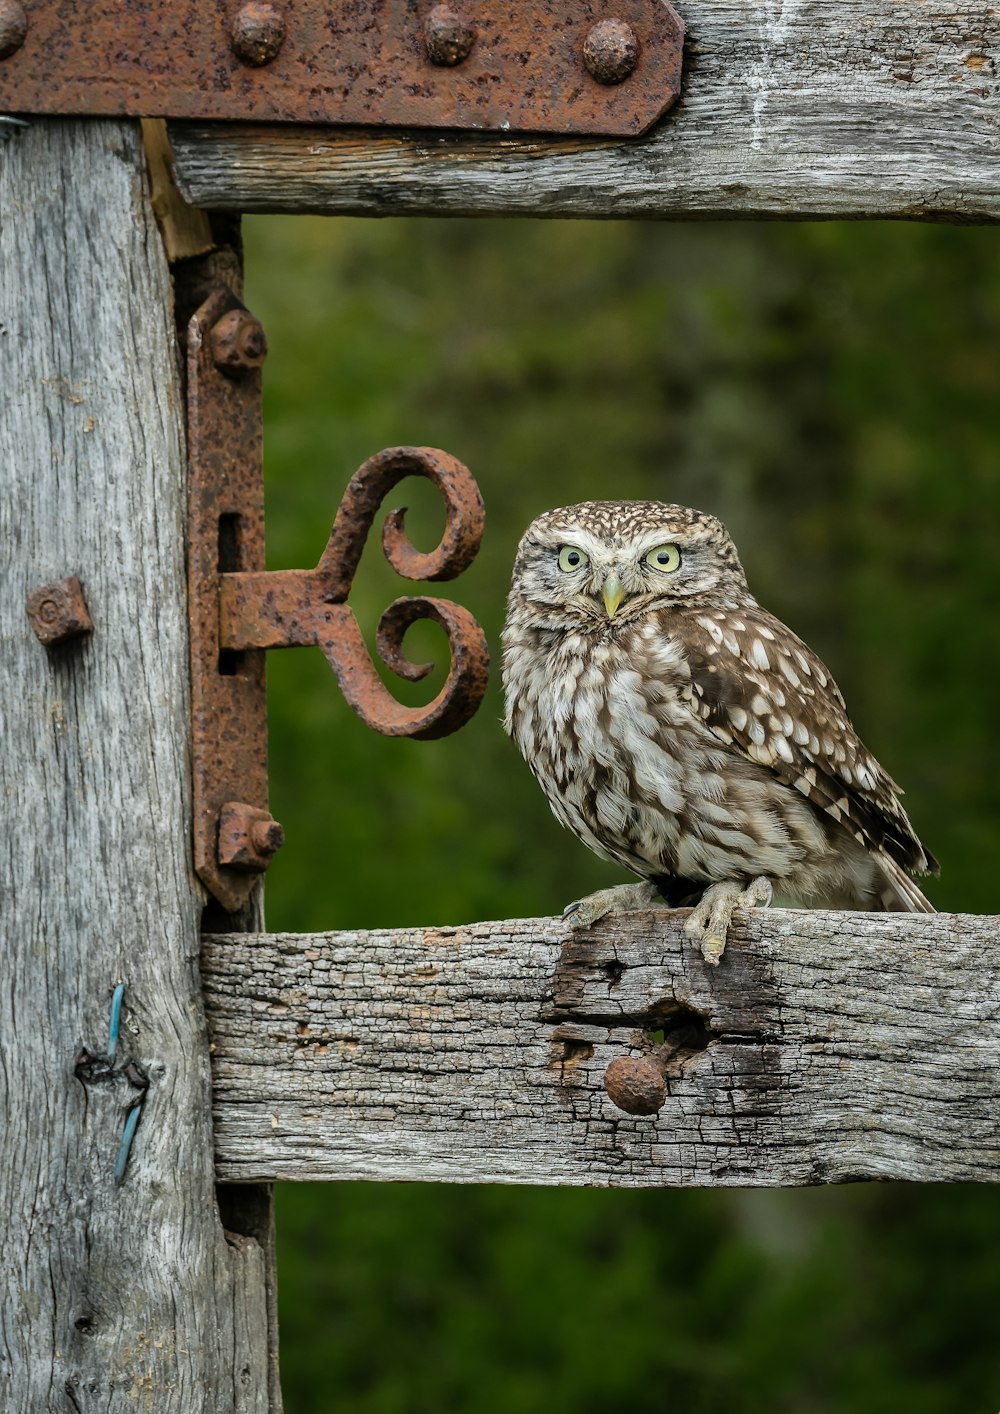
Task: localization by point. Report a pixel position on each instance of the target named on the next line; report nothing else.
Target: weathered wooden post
(116, 1295)
(129, 1280)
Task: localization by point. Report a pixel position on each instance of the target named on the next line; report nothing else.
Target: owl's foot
(624, 898)
(710, 920)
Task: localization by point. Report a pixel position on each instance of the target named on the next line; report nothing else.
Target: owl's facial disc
(611, 575)
(605, 561)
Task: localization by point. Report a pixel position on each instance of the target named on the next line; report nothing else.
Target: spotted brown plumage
(685, 733)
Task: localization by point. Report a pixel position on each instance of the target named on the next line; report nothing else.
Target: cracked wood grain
(830, 1047)
(125, 1298)
(863, 108)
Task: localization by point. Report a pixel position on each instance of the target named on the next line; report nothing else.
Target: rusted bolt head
(635, 1085)
(266, 836)
(13, 27)
(248, 837)
(448, 39)
(58, 611)
(258, 33)
(238, 342)
(611, 51)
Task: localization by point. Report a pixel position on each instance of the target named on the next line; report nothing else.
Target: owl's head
(605, 560)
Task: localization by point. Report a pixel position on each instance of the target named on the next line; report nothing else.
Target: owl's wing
(763, 692)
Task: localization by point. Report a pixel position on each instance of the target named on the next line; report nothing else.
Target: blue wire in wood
(116, 1021)
(121, 1162)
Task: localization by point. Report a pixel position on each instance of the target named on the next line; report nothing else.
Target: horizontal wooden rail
(830, 1047)
(789, 108)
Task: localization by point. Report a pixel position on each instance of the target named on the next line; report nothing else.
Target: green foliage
(830, 391)
(418, 1299)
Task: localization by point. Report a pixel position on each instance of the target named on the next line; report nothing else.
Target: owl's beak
(612, 592)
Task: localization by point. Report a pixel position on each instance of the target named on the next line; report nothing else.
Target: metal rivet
(238, 342)
(448, 39)
(13, 27)
(258, 33)
(636, 1085)
(611, 51)
(58, 612)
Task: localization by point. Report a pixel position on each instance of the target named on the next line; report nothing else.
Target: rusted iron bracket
(238, 610)
(502, 65)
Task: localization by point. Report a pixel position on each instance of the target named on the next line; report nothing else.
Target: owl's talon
(757, 894)
(712, 950)
(624, 898)
(710, 919)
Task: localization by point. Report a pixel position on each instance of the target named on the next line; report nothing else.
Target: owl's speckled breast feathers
(682, 731)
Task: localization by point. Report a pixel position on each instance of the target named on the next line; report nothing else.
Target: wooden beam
(835, 1046)
(120, 1296)
(874, 108)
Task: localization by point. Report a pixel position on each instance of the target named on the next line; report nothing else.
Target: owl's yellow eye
(570, 558)
(665, 558)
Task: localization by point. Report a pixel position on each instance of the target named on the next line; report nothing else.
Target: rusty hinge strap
(500, 65)
(238, 610)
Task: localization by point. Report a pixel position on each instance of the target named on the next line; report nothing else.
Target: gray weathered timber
(789, 108)
(834, 1046)
(129, 1298)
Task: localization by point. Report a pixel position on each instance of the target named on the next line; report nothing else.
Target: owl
(684, 733)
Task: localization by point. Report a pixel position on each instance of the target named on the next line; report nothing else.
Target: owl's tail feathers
(898, 892)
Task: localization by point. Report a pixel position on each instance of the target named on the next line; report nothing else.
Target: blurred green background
(831, 391)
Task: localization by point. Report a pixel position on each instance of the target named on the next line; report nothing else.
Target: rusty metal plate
(226, 532)
(518, 66)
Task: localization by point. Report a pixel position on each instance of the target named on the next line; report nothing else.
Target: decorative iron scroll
(296, 608)
(238, 610)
